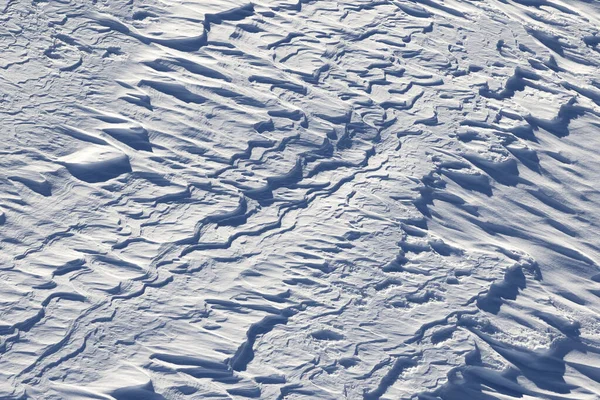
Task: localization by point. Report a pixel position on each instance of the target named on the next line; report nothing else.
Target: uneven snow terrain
(313, 199)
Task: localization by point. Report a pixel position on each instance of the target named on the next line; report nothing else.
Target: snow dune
(278, 199)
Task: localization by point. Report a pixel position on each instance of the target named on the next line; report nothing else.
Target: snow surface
(299, 199)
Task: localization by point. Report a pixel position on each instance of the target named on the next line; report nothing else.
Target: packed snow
(300, 199)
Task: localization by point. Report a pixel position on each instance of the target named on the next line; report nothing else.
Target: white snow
(317, 199)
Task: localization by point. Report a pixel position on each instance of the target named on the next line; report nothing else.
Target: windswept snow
(300, 199)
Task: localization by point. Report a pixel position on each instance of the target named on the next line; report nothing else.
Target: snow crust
(299, 199)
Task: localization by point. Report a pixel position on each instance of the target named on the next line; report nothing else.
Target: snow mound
(96, 164)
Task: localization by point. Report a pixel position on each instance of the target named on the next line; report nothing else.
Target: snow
(275, 199)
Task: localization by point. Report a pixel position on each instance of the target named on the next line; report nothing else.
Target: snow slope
(302, 199)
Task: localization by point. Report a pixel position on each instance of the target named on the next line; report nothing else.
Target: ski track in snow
(316, 199)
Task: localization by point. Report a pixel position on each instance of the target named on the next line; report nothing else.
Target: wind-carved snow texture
(316, 199)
